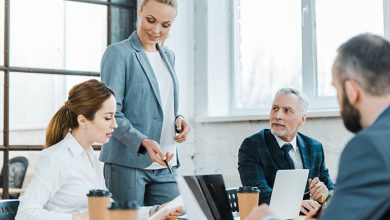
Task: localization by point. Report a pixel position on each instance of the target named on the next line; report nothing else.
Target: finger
(306, 205)
(319, 188)
(304, 211)
(159, 157)
(169, 156)
(314, 182)
(178, 124)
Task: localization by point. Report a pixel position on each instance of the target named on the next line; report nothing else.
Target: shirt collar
(74, 146)
(282, 142)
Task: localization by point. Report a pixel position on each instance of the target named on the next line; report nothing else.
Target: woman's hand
(175, 213)
(80, 216)
(183, 128)
(155, 152)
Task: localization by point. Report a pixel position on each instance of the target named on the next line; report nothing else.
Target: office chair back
(17, 171)
(8, 209)
(233, 199)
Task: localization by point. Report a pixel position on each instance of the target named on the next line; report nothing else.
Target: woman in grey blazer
(141, 73)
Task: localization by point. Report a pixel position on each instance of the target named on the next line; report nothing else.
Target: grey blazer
(126, 70)
(363, 182)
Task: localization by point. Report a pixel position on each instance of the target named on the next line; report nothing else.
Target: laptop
(287, 193)
(206, 196)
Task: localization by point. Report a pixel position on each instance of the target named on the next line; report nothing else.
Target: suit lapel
(305, 152)
(148, 70)
(276, 152)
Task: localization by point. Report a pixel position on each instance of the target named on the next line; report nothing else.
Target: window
(292, 43)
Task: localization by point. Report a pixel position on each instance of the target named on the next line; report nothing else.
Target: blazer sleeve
(252, 172)
(362, 182)
(113, 74)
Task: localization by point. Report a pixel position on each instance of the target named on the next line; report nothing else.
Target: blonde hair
(172, 3)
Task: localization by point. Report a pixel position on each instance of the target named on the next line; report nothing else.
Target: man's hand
(155, 152)
(318, 190)
(183, 128)
(309, 207)
(259, 212)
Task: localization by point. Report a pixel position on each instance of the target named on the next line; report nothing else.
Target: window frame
(319, 105)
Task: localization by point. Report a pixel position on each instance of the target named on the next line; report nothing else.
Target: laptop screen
(214, 192)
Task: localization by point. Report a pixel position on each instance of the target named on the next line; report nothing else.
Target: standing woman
(141, 73)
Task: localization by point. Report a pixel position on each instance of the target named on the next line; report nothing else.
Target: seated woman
(68, 168)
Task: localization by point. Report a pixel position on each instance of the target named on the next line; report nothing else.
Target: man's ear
(352, 90)
(303, 120)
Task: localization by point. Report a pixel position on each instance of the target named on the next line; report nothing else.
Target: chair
(17, 172)
(233, 199)
(8, 209)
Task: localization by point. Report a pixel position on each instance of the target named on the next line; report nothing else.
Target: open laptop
(206, 196)
(287, 193)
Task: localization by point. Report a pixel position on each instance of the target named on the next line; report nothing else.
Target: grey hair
(303, 100)
(366, 59)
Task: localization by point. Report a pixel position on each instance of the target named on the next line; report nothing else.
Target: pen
(169, 166)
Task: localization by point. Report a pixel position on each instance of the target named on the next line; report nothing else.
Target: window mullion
(309, 49)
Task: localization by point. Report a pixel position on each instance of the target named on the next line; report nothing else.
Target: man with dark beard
(361, 76)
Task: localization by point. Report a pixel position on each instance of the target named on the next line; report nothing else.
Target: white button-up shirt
(64, 175)
(294, 153)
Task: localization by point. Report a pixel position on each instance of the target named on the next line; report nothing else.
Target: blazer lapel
(305, 152)
(148, 70)
(276, 152)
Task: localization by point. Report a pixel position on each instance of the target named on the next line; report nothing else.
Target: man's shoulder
(258, 136)
(308, 140)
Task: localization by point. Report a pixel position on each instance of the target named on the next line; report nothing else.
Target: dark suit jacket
(260, 157)
(363, 182)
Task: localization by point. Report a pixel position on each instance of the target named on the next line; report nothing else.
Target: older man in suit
(283, 147)
(361, 76)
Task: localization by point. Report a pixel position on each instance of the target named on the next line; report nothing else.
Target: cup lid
(248, 189)
(98, 193)
(123, 205)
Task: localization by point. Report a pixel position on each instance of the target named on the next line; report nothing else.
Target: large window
(292, 43)
(53, 44)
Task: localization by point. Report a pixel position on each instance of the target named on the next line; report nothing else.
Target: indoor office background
(231, 57)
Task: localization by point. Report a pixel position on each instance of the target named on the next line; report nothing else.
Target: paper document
(168, 208)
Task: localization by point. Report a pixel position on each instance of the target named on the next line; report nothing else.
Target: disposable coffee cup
(123, 211)
(248, 199)
(98, 201)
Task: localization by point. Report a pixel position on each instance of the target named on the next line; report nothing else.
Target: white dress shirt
(294, 152)
(166, 89)
(63, 177)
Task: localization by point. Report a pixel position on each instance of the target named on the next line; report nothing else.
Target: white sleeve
(48, 178)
